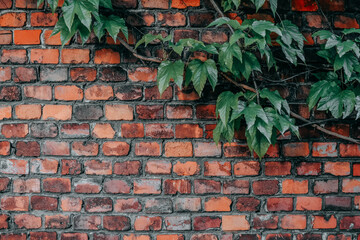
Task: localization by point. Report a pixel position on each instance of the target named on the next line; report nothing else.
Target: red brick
(103, 130)
(350, 222)
(56, 148)
(68, 93)
(206, 223)
(277, 168)
(293, 222)
(6, 4)
(324, 150)
(188, 131)
(13, 236)
(308, 203)
(171, 19)
(158, 167)
(83, 74)
(147, 186)
(236, 187)
(116, 223)
(127, 168)
(116, 186)
(13, 19)
(170, 237)
(278, 236)
(350, 185)
(296, 149)
(57, 112)
(98, 204)
(70, 167)
(72, 130)
(41, 19)
(150, 111)
(116, 148)
(337, 168)
(42, 235)
(4, 148)
(136, 237)
(341, 21)
(32, 111)
(265, 187)
(304, 5)
(44, 56)
(280, 204)
(152, 93)
(290, 186)
(10, 93)
(99, 92)
(57, 185)
(87, 186)
(4, 184)
(202, 186)
(265, 221)
(44, 166)
(236, 150)
(14, 166)
(71, 204)
(97, 167)
(57, 221)
(247, 204)
(27, 37)
(174, 186)
(159, 130)
(187, 204)
(147, 149)
(18, 203)
(326, 186)
(5, 37)
(143, 74)
(132, 130)
(207, 149)
(106, 56)
(186, 168)
(91, 222)
(235, 223)
(349, 150)
(179, 112)
(52, 40)
(143, 223)
(19, 130)
(185, 4)
(23, 74)
(324, 222)
(75, 56)
(119, 112)
(4, 224)
(308, 168)
(127, 205)
(85, 148)
(162, 4)
(5, 112)
(38, 92)
(335, 203)
(74, 236)
(217, 204)
(178, 149)
(13, 55)
(216, 168)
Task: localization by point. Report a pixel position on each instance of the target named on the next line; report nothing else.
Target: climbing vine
(242, 61)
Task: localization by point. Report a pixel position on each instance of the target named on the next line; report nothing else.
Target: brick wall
(89, 149)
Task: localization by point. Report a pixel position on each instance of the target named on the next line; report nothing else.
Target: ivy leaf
(357, 106)
(345, 47)
(260, 27)
(339, 104)
(257, 142)
(114, 24)
(53, 4)
(249, 64)
(292, 31)
(321, 89)
(225, 20)
(347, 62)
(224, 130)
(81, 9)
(226, 102)
(258, 3)
(170, 70)
(332, 42)
(148, 38)
(253, 111)
(65, 34)
(106, 4)
(351, 30)
(227, 52)
(273, 6)
(323, 34)
(276, 100)
(202, 71)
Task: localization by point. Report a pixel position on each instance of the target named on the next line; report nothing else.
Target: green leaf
(202, 71)
(224, 20)
(262, 26)
(273, 6)
(321, 89)
(347, 62)
(357, 106)
(227, 52)
(291, 31)
(170, 70)
(332, 42)
(351, 30)
(148, 38)
(345, 47)
(106, 4)
(52, 3)
(275, 99)
(226, 102)
(65, 34)
(339, 104)
(323, 34)
(253, 111)
(257, 142)
(249, 64)
(258, 4)
(328, 54)
(114, 24)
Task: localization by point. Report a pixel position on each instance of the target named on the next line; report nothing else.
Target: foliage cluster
(243, 58)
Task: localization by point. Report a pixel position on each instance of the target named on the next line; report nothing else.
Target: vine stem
(295, 115)
(244, 87)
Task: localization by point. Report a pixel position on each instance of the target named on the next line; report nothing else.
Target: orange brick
(107, 56)
(68, 93)
(143, 74)
(181, 4)
(178, 149)
(308, 203)
(27, 221)
(19, 203)
(247, 168)
(30, 111)
(296, 149)
(217, 168)
(27, 37)
(14, 166)
(235, 223)
(119, 112)
(99, 92)
(4, 149)
(337, 168)
(322, 222)
(186, 168)
(147, 149)
(44, 56)
(53, 40)
(75, 56)
(5, 112)
(29, 4)
(351, 186)
(218, 204)
(12, 19)
(103, 130)
(293, 222)
(16, 130)
(290, 186)
(13, 55)
(5, 37)
(57, 112)
(38, 92)
(147, 186)
(5, 4)
(5, 74)
(42, 19)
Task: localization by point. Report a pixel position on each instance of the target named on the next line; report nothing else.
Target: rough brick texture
(89, 150)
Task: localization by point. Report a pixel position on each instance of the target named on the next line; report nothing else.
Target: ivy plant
(242, 60)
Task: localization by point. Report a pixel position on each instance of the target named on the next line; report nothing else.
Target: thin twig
(218, 10)
(322, 13)
(297, 116)
(134, 52)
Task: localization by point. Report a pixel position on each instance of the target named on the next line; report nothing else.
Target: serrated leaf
(321, 89)
(106, 4)
(273, 6)
(253, 111)
(226, 102)
(357, 106)
(351, 30)
(275, 99)
(225, 20)
(52, 3)
(332, 42)
(201, 71)
(260, 27)
(114, 24)
(227, 52)
(345, 47)
(257, 142)
(339, 104)
(170, 70)
(347, 62)
(258, 3)
(323, 34)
